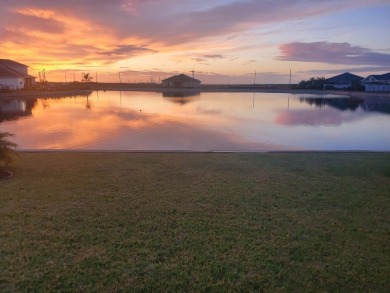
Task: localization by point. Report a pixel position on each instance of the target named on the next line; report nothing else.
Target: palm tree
(7, 148)
(87, 77)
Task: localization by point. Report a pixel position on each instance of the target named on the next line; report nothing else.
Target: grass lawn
(83, 222)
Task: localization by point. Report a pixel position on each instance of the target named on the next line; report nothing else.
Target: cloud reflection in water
(206, 122)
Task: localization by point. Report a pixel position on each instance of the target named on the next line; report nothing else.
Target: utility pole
(120, 80)
(193, 71)
(254, 79)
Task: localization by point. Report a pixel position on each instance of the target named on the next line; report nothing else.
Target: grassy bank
(84, 222)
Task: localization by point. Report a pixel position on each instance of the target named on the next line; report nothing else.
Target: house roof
(380, 77)
(8, 62)
(5, 71)
(182, 78)
(345, 77)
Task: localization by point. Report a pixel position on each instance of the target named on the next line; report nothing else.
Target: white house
(181, 81)
(377, 83)
(14, 75)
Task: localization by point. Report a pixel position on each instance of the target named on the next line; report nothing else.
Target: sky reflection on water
(201, 122)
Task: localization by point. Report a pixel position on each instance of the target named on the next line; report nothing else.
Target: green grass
(82, 222)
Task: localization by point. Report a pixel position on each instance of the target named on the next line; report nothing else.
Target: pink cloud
(315, 117)
(182, 21)
(101, 32)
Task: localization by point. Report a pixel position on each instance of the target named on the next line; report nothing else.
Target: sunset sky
(224, 41)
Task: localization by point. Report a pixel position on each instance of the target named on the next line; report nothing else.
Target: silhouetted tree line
(317, 83)
(314, 83)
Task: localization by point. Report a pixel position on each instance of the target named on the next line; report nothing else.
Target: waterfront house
(181, 81)
(14, 75)
(377, 83)
(342, 81)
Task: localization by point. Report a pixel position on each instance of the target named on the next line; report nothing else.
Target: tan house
(14, 75)
(181, 81)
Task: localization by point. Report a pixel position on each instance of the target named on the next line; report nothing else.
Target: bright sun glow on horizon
(223, 41)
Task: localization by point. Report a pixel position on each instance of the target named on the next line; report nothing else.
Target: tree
(87, 77)
(7, 148)
(314, 83)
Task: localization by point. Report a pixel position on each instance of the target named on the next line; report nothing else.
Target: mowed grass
(82, 222)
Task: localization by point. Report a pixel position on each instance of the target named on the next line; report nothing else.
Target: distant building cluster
(372, 83)
(14, 75)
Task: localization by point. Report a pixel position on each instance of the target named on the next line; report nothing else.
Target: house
(377, 83)
(342, 81)
(181, 81)
(14, 75)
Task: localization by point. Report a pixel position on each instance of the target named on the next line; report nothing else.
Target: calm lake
(153, 121)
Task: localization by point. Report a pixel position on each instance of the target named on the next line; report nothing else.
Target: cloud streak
(332, 53)
(125, 51)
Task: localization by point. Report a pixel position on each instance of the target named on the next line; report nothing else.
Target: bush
(7, 148)
(314, 83)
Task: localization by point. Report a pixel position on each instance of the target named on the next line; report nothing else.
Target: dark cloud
(346, 69)
(214, 56)
(332, 53)
(126, 51)
(249, 62)
(199, 59)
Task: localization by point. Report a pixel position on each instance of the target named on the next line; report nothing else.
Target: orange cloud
(57, 38)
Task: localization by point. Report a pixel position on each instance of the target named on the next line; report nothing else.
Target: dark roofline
(385, 76)
(8, 62)
(10, 72)
(378, 77)
(344, 77)
(181, 77)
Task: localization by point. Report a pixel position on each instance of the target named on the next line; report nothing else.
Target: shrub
(7, 148)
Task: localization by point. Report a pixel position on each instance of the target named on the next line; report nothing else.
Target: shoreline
(46, 94)
(206, 89)
(76, 151)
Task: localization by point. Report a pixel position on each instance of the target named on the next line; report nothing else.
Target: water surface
(200, 122)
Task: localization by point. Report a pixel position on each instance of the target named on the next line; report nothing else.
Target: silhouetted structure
(181, 97)
(181, 81)
(14, 75)
(342, 81)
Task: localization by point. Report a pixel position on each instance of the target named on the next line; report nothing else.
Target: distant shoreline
(206, 88)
